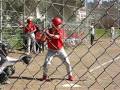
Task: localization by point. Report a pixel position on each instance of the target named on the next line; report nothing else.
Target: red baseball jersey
(56, 44)
(30, 27)
(38, 36)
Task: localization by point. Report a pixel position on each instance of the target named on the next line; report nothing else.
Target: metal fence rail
(95, 67)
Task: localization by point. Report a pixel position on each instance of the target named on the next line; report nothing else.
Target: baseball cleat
(45, 77)
(71, 78)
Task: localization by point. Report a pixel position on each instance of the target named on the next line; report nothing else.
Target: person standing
(56, 48)
(92, 34)
(29, 30)
(39, 41)
(113, 33)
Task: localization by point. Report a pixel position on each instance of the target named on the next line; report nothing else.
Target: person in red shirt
(39, 42)
(29, 31)
(55, 48)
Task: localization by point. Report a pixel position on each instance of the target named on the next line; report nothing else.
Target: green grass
(102, 32)
(13, 39)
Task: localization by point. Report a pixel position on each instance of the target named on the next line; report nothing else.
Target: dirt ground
(95, 67)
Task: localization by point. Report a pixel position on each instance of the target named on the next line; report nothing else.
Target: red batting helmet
(57, 21)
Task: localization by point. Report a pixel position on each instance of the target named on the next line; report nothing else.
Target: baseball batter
(55, 48)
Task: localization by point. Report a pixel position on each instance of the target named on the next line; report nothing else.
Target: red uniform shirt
(30, 27)
(56, 44)
(38, 36)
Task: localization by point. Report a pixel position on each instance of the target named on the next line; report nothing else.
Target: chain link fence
(95, 67)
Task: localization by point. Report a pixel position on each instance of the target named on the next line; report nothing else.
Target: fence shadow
(40, 79)
(33, 78)
(27, 78)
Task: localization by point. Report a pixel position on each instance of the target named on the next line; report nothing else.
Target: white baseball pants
(31, 40)
(62, 55)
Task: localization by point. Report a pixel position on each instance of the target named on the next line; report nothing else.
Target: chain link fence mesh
(95, 67)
